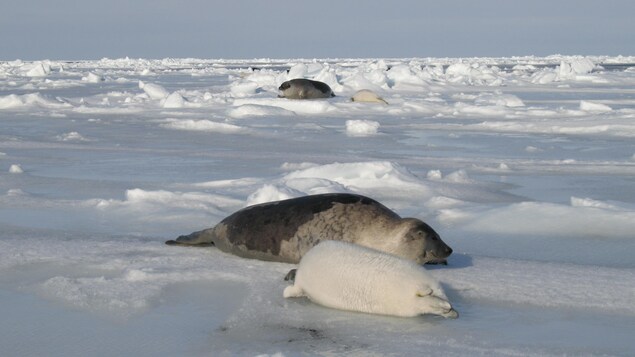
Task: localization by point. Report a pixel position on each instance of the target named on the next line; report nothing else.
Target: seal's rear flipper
(202, 238)
(290, 275)
(174, 242)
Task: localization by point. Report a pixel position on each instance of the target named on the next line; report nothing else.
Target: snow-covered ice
(361, 127)
(524, 165)
(15, 169)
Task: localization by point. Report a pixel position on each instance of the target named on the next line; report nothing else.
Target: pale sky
(88, 29)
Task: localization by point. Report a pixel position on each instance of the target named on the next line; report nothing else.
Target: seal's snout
(448, 251)
(452, 314)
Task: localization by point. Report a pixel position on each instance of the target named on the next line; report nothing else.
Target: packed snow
(524, 165)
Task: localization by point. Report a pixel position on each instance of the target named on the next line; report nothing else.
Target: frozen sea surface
(525, 166)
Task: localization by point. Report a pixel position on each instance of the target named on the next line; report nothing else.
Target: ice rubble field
(525, 166)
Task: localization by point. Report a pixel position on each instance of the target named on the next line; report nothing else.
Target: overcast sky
(88, 29)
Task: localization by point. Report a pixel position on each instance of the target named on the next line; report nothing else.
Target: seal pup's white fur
(347, 276)
(368, 96)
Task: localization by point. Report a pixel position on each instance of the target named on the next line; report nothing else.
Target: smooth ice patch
(160, 211)
(203, 125)
(254, 110)
(548, 285)
(91, 276)
(316, 106)
(500, 99)
(594, 107)
(71, 136)
(151, 201)
(547, 127)
(580, 219)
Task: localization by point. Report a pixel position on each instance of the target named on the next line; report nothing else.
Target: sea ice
(15, 169)
(523, 165)
(594, 107)
(361, 127)
(203, 125)
(174, 100)
(154, 91)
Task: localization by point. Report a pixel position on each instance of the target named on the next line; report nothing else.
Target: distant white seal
(285, 230)
(350, 277)
(301, 88)
(368, 96)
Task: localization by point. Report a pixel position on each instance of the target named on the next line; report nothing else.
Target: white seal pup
(367, 96)
(350, 277)
(301, 88)
(284, 231)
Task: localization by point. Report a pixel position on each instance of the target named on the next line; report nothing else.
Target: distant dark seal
(301, 88)
(284, 231)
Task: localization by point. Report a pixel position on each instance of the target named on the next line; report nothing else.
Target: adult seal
(284, 231)
(301, 88)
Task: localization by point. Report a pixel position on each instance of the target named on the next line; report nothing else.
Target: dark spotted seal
(284, 231)
(301, 88)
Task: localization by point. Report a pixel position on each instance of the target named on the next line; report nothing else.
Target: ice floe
(523, 165)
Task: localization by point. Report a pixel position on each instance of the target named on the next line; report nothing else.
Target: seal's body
(285, 230)
(301, 88)
(347, 276)
(367, 96)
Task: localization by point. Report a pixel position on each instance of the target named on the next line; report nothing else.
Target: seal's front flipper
(451, 314)
(424, 291)
(437, 262)
(293, 291)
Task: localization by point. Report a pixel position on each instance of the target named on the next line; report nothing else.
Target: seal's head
(421, 243)
(301, 88)
(429, 303)
(284, 86)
